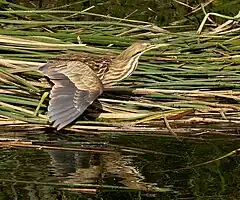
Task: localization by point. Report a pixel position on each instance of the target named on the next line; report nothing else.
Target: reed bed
(193, 85)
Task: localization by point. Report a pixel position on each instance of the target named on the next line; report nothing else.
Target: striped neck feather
(121, 69)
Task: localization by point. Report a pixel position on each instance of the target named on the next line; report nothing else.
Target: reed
(194, 82)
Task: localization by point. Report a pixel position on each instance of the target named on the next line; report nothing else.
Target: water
(143, 167)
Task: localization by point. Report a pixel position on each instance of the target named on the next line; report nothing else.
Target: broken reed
(194, 80)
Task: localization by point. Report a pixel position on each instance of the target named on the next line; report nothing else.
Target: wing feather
(58, 91)
(60, 123)
(76, 86)
(61, 100)
(61, 113)
(59, 108)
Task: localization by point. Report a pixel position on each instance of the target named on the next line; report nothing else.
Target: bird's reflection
(66, 162)
(96, 168)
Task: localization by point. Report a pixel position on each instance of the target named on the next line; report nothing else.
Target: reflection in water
(95, 168)
(35, 173)
(66, 162)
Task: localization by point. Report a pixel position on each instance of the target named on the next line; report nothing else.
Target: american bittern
(78, 81)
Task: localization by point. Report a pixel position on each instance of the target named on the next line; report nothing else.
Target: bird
(79, 79)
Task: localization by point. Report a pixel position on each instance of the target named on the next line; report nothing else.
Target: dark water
(153, 167)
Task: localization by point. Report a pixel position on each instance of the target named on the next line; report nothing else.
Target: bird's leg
(44, 96)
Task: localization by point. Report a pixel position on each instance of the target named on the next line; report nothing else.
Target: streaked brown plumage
(78, 81)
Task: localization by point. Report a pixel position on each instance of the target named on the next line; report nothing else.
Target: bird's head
(125, 63)
(138, 48)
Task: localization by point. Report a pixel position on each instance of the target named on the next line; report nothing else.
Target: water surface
(122, 166)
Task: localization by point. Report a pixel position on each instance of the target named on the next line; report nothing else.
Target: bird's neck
(125, 55)
(121, 67)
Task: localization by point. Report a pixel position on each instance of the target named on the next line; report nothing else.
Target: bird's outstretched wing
(76, 86)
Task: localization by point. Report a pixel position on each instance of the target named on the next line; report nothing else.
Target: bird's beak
(155, 46)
